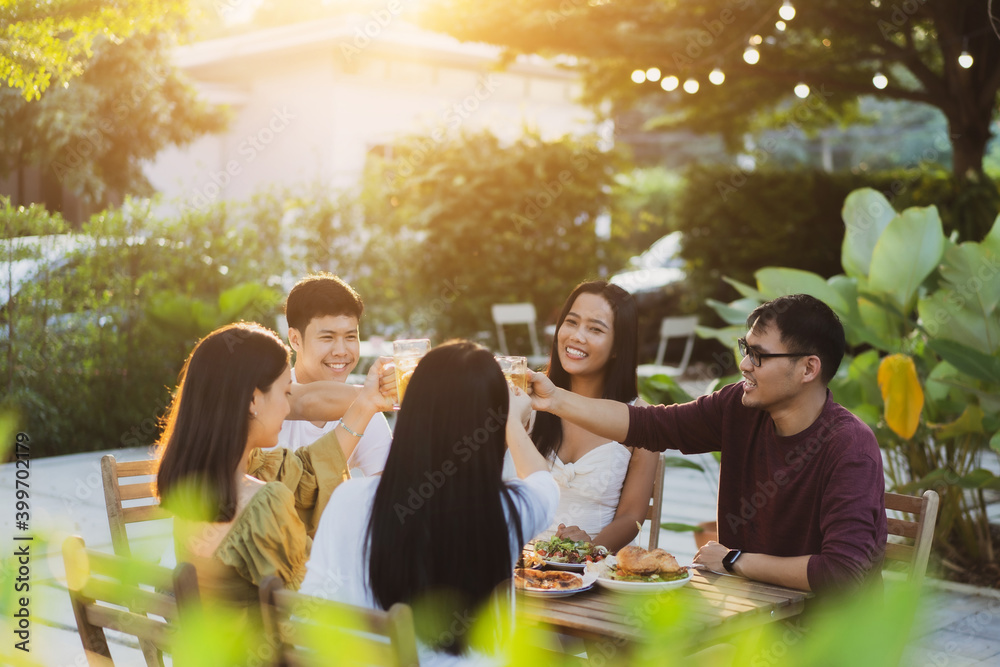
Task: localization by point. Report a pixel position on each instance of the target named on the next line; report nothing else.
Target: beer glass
(515, 369)
(405, 356)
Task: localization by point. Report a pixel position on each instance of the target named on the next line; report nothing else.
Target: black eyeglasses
(756, 357)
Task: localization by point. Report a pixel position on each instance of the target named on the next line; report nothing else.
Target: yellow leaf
(970, 421)
(901, 392)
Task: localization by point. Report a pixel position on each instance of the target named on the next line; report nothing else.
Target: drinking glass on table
(405, 356)
(515, 369)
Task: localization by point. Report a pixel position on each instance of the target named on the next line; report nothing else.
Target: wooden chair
(672, 327)
(518, 313)
(918, 533)
(138, 494)
(108, 591)
(296, 623)
(656, 504)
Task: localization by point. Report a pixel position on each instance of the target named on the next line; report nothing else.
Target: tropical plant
(921, 315)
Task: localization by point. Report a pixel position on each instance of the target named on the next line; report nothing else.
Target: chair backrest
(919, 533)
(303, 626)
(656, 504)
(143, 505)
(677, 327)
(516, 313)
(109, 591)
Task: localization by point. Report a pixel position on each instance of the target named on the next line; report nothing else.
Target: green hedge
(736, 223)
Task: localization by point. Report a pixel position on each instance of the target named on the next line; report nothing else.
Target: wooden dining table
(715, 606)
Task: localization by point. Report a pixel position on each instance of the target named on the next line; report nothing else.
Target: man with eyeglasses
(801, 489)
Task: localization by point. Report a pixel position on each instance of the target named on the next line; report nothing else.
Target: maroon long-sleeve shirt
(819, 492)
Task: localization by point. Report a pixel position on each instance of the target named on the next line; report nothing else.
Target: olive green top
(272, 534)
(311, 473)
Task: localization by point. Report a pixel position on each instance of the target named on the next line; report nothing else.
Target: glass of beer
(515, 369)
(405, 356)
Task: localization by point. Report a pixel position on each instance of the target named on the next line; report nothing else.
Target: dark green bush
(736, 223)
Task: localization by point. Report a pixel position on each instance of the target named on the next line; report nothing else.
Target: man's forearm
(603, 417)
(321, 401)
(790, 571)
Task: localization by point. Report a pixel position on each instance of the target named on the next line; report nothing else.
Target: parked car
(657, 279)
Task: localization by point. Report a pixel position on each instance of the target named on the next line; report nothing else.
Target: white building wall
(307, 114)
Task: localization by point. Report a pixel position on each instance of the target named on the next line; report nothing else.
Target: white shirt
(368, 456)
(337, 567)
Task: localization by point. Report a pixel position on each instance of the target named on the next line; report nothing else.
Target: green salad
(647, 578)
(558, 550)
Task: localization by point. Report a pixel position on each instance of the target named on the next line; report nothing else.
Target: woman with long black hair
(440, 529)
(605, 487)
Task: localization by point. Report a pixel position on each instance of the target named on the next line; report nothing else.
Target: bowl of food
(552, 583)
(636, 570)
(560, 554)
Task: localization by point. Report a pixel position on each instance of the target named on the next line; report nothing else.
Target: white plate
(588, 583)
(568, 567)
(603, 579)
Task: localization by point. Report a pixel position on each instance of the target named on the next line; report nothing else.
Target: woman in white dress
(439, 530)
(604, 486)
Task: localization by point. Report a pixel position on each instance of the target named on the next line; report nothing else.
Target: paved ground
(961, 629)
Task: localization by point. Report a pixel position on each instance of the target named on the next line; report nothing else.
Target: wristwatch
(729, 560)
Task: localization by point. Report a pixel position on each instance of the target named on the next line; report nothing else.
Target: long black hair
(206, 429)
(620, 381)
(439, 522)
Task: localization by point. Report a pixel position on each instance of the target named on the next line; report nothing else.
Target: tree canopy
(46, 42)
(840, 49)
(120, 102)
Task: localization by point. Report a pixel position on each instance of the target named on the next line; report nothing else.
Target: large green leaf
(947, 315)
(907, 251)
(881, 325)
(745, 290)
(973, 271)
(969, 361)
(866, 214)
(734, 313)
(936, 387)
(776, 281)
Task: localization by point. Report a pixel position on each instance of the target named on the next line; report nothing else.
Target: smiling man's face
(328, 349)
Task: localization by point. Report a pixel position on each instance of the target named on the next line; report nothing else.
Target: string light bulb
(781, 25)
(717, 76)
(880, 81)
(653, 74)
(751, 56)
(691, 86)
(965, 60)
(670, 83)
(802, 91)
(638, 76)
(787, 11)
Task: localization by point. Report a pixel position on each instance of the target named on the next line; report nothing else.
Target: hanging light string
(751, 55)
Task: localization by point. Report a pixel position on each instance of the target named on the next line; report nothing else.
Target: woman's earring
(254, 414)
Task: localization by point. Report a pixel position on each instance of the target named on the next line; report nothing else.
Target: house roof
(396, 38)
